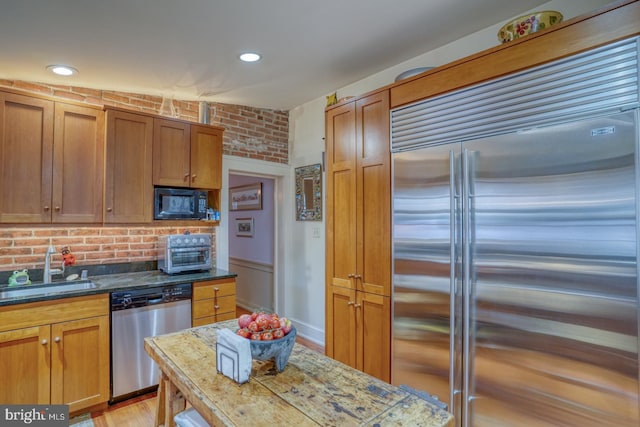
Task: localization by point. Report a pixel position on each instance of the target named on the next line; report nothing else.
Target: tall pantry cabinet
(358, 245)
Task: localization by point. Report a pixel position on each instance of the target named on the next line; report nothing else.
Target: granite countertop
(110, 278)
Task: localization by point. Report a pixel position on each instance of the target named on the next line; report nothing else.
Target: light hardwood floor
(140, 411)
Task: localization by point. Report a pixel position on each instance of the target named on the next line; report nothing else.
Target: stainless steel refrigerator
(515, 274)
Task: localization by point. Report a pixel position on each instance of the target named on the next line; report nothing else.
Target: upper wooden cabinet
(62, 162)
(206, 157)
(128, 181)
(616, 21)
(78, 164)
(171, 153)
(359, 195)
(51, 161)
(186, 155)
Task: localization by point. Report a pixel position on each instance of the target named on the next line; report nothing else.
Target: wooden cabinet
(171, 153)
(78, 164)
(128, 178)
(360, 330)
(187, 155)
(358, 246)
(213, 301)
(51, 161)
(56, 352)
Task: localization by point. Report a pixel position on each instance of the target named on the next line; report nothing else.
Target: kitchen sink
(48, 289)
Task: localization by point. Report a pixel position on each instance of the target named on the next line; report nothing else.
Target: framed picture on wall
(246, 197)
(244, 227)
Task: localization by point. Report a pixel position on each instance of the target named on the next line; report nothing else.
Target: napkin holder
(233, 356)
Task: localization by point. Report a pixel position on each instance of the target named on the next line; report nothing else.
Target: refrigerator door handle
(466, 293)
(453, 196)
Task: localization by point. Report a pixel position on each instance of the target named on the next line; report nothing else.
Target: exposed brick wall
(249, 132)
(256, 133)
(25, 247)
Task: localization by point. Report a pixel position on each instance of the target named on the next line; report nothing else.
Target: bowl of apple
(272, 337)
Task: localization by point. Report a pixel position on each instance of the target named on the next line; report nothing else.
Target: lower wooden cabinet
(56, 352)
(213, 301)
(359, 330)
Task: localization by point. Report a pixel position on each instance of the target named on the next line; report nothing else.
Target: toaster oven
(180, 253)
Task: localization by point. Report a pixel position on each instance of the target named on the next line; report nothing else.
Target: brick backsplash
(256, 133)
(25, 247)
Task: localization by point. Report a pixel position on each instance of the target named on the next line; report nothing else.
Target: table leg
(160, 399)
(174, 402)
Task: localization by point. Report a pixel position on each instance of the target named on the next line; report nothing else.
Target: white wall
(306, 262)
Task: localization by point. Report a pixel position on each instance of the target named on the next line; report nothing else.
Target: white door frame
(283, 198)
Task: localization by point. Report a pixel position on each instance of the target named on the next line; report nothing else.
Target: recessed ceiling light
(62, 70)
(250, 57)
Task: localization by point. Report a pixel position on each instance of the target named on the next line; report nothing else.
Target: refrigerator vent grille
(595, 82)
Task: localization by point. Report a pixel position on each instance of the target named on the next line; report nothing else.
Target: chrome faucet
(48, 271)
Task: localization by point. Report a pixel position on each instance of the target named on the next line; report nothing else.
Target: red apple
(244, 332)
(285, 325)
(263, 320)
(266, 336)
(244, 320)
(275, 323)
(254, 327)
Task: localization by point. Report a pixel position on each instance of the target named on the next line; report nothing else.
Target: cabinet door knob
(44, 342)
(350, 276)
(216, 289)
(57, 339)
(357, 305)
(109, 209)
(186, 176)
(350, 303)
(216, 307)
(46, 208)
(57, 208)
(193, 177)
(357, 276)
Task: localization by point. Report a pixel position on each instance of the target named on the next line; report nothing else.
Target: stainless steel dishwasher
(135, 315)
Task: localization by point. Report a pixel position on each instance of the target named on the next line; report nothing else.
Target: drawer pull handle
(216, 289)
(216, 307)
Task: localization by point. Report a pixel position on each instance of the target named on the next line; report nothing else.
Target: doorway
(282, 217)
(251, 241)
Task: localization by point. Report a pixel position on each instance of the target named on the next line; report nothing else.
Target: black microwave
(179, 203)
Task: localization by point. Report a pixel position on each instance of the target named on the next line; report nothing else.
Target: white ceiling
(187, 48)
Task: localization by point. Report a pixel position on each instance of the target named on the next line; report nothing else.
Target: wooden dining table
(312, 390)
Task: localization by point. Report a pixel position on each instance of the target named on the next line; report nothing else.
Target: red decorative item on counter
(67, 257)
